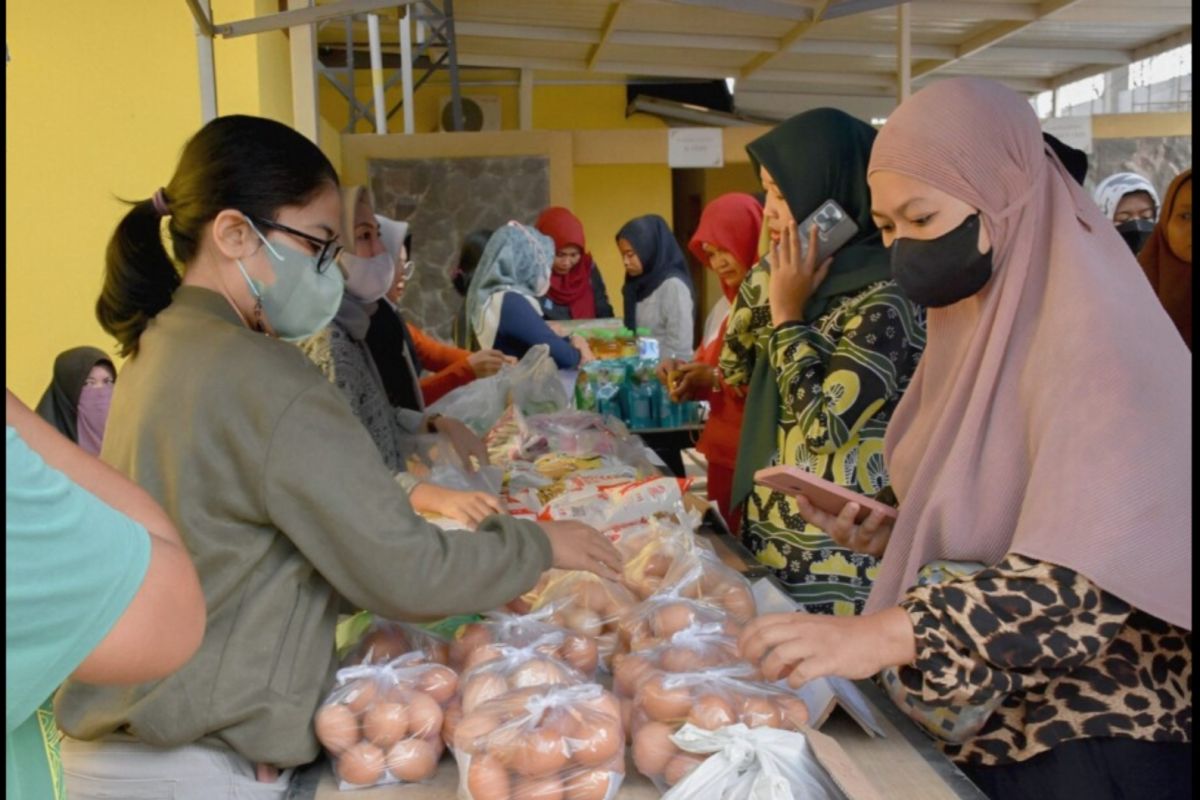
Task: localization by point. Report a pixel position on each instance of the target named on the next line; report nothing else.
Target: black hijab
(661, 258)
(813, 157)
(60, 402)
(389, 341)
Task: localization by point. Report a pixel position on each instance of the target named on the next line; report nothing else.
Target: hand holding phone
(824, 495)
(793, 279)
(834, 229)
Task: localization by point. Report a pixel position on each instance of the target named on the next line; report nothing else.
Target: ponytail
(253, 165)
(139, 277)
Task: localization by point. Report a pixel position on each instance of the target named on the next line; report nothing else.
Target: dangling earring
(258, 316)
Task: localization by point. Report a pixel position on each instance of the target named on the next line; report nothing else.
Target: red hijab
(574, 289)
(732, 222)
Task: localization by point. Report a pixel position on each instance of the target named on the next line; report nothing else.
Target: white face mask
(368, 279)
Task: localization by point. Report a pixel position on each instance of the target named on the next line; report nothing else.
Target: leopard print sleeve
(1006, 629)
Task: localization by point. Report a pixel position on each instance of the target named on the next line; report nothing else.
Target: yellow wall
(100, 100)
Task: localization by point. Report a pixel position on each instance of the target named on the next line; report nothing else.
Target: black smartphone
(834, 229)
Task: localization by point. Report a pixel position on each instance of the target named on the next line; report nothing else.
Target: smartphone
(834, 229)
(825, 495)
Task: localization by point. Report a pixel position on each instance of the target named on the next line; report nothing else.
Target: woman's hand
(794, 279)
(666, 366)
(462, 439)
(488, 362)
(586, 356)
(694, 381)
(870, 537)
(801, 647)
(469, 508)
(579, 546)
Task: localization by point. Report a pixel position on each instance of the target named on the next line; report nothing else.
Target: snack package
(385, 640)
(607, 507)
(476, 642)
(583, 603)
(743, 763)
(383, 724)
(509, 667)
(710, 700)
(539, 743)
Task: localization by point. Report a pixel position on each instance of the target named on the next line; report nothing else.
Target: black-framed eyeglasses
(329, 248)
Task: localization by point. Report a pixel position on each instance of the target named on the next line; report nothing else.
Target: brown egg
(541, 752)
(628, 671)
(472, 731)
(590, 785)
(336, 727)
(657, 565)
(605, 706)
(480, 655)
(469, 638)
(439, 652)
(537, 672)
(793, 713)
(583, 621)
(711, 712)
(450, 721)
(384, 724)
(383, 644)
(541, 788)
(738, 601)
(412, 760)
(761, 712)
(581, 653)
(487, 779)
(592, 596)
(653, 748)
(425, 716)
(662, 703)
(679, 767)
(617, 764)
(360, 695)
(440, 683)
(599, 739)
(672, 618)
(681, 659)
(361, 765)
(480, 688)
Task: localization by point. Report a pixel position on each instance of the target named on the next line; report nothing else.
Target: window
(1156, 69)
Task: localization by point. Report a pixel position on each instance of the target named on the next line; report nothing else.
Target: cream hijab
(1050, 415)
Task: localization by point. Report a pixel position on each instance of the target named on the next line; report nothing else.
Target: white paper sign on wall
(1075, 131)
(695, 148)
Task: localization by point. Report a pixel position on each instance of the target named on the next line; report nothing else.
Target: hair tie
(160, 203)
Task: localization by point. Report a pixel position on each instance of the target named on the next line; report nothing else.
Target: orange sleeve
(435, 386)
(434, 355)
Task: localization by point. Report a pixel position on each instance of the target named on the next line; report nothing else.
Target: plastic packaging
(606, 507)
(477, 642)
(386, 640)
(697, 647)
(532, 385)
(542, 743)
(701, 575)
(383, 724)
(434, 460)
(657, 619)
(647, 345)
(743, 763)
(709, 700)
(583, 603)
(505, 668)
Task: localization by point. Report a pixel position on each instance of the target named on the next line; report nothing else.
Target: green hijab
(815, 156)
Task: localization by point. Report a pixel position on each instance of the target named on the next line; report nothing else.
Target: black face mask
(940, 272)
(1136, 232)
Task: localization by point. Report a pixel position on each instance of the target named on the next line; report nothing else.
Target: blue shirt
(521, 328)
(72, 566)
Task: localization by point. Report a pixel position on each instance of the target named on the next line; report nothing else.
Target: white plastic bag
(532, 385)
(434, 460)
(751, 764)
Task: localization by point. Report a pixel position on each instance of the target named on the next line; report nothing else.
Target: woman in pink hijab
(1033, 605)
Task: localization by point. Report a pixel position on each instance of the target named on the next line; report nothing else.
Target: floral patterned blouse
(840, 379)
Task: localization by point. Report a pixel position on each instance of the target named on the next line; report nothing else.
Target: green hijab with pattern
(814, 156)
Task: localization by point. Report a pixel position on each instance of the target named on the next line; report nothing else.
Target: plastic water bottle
(647, 345)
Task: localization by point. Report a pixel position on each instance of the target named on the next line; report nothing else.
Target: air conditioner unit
(479, 112)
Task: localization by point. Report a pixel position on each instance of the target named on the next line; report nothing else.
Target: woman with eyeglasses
(76, 401)
(447, 367)
(279, 494)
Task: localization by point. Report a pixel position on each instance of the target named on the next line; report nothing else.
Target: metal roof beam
(991, 36)
(302, 16)
(790, 38)
(610, 24)
(1137, 54)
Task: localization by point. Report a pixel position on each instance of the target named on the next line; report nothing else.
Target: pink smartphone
(825, 495)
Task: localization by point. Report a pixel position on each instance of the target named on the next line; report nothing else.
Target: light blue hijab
(517, 259)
